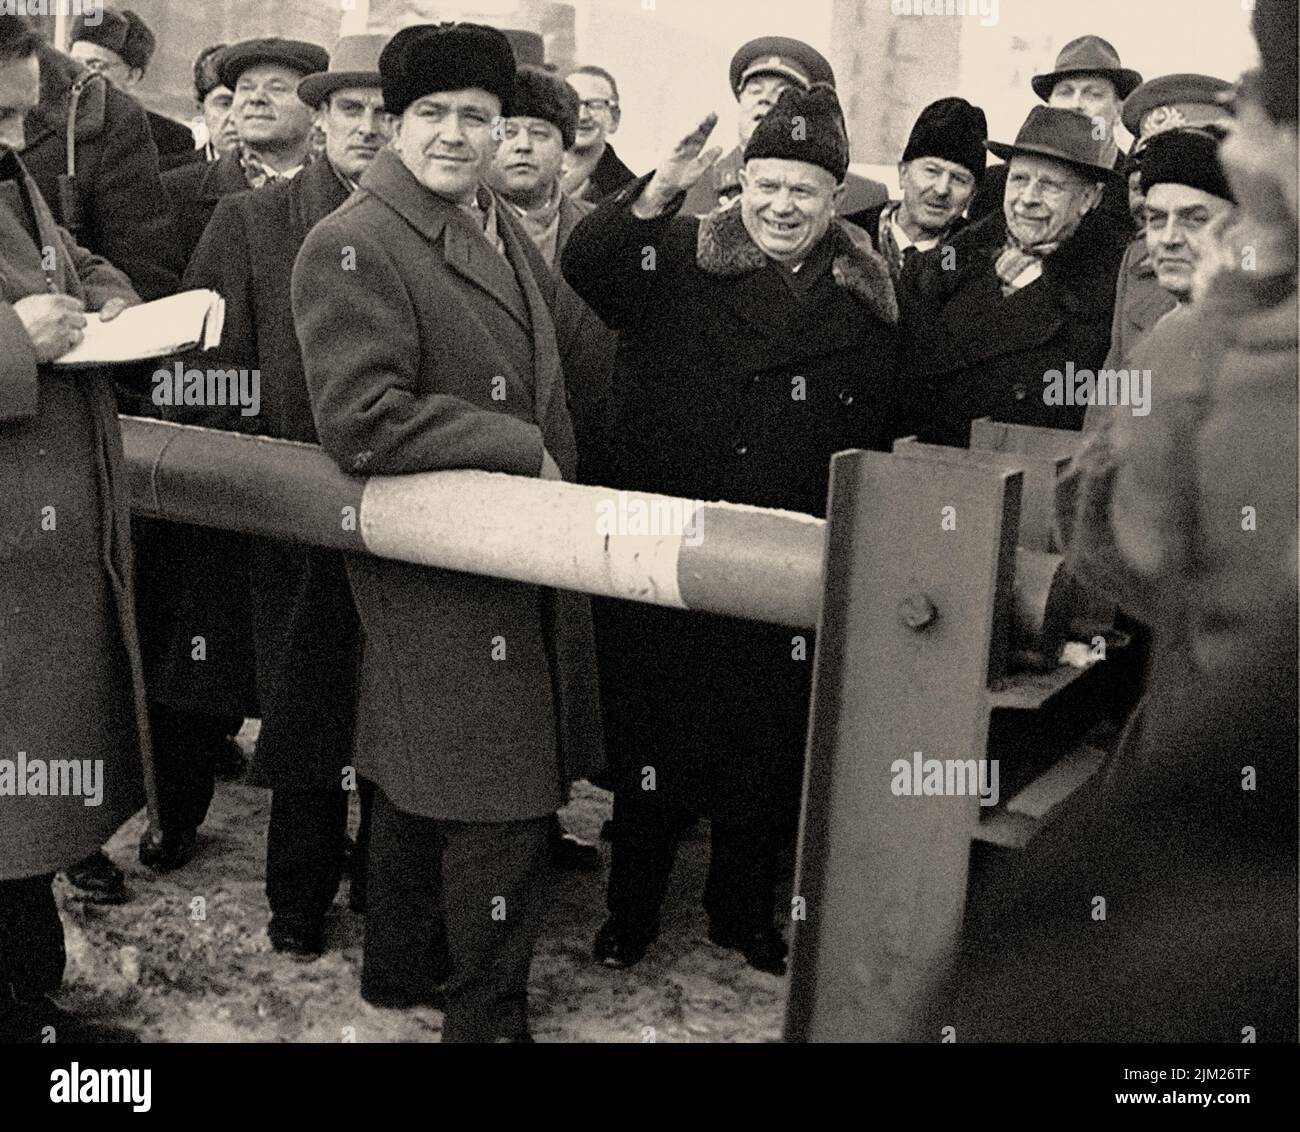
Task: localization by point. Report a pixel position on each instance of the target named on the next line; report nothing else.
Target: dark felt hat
(1185, 157)
(1062, 135)
(951, 129)
(1173, 102)
(121, 31)
(206, 75)
(1087, 55)
(780, 55)
(426, 58)
(353, 63)
(804, 126)
(305, 58)
(541, 94)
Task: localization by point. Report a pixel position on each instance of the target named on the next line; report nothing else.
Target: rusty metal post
(916, 610)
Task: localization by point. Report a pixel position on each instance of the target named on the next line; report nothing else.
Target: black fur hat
(540, 94)
(427, 58)
(804, 126)
(120, 31)
(951, 129)
(1185, 157)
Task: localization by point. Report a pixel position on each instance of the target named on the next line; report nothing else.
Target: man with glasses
(760, 71)
(1088, 80)
(120, 47)
(1022, 295)
(592, 170)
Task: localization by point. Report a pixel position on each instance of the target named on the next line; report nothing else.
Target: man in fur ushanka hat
(762, 342)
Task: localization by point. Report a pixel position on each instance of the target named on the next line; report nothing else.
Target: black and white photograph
(688, 522)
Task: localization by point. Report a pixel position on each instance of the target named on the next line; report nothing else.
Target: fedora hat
(1061, 135)
(1087, 55)
(355, 63)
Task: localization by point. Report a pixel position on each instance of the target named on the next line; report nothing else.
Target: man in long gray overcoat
(73, 729)
(466, 705)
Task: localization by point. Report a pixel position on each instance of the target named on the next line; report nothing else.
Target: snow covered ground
(155, 965)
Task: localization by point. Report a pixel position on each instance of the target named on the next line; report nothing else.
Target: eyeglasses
(598, 105)
(1050, 189)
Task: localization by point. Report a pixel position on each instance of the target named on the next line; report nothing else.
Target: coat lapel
(546, 350)
(465, 249)
(316, 192)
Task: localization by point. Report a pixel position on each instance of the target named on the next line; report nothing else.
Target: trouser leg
(183, 742)
(304, 861)
(742, 874)
(649, 826)
(32, 955)
(405, 943)
(493, 876)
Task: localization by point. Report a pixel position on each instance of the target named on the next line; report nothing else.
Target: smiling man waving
(755, 342)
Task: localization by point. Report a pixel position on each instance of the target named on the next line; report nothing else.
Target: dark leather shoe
(228, 762)
(617, 947)
(388, 997)
(763, 947)
(565, 851)
(295, 938)
(41, 1021)
(98, 880)
(168, 851)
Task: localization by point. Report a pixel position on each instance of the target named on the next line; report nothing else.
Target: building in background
(671, 56)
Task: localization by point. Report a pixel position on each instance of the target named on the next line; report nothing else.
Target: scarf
(1016, 258)
(257, 173)
(542, 224)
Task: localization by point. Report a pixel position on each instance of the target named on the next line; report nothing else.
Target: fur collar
(725, 249)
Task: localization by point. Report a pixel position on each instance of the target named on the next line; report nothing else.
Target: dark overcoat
(403, 356)
(214, 601)
(972, 352)
(1140, 302)
(174, 142)
(730, 384)
(304, 622)
(71, 681)
(194, 190)
(127, 218)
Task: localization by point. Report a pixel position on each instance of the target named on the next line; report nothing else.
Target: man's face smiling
(446, 140)
(595, 123)
(268, 112)
(786, 206)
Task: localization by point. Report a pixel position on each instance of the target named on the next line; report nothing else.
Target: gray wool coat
(401, 355)
(71, 683)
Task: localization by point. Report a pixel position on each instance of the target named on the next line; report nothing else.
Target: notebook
(151, 330)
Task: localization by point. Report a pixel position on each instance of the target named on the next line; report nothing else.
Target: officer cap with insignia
(1173, 102)
(778, 55)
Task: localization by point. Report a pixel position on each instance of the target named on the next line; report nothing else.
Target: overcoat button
(740, 448)
(1019, 392)
(846, 398)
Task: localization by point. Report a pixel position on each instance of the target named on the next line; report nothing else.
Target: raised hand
(684, 166)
